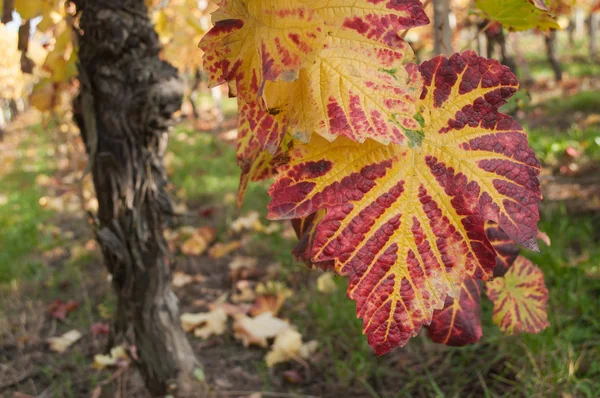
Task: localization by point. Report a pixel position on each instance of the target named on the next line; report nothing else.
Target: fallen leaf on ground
(197, 244)
(181, 279)
(288, 345)
(246, 293)
(100, 329)
(258, 329)
(58, 309)
(250, 222)
(117, 357)
(62, 343)
(205, 324)
(242, 267)
(271, 297)
(325, 283)
(222, 249)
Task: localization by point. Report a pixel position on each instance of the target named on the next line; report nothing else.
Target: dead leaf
(325, 283)
(246, 293)
(117, 357)
(258, 329)
(242, 267)
(100, 329)
(288, 345)
(271, 297)
(250, 222)
(222, 249)
(62, 343)
(205, 324)
(199, 241)
(59, 309)
(181, 279)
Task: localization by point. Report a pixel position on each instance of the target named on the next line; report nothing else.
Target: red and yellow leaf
(459, 322)
(351, 80)
(269, 39)
(406, 222)
(256, 162)
(506, 249)
(519, 14)
(520, 298)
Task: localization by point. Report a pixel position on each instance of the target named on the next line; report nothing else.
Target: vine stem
(425, 4)
(482, 30)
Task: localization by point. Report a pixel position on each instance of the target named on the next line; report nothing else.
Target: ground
(47, 254)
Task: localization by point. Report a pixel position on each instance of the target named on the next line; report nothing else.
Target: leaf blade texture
(520, 298)
(519, 14)
(406, 222)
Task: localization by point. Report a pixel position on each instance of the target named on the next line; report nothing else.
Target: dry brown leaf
(205, 324)
(222, 249)
(197, 244)
(62, 343)
(258, 329)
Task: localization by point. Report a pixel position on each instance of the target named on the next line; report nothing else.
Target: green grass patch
(21, 217)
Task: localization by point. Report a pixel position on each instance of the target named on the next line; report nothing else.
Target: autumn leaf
(406, 222)
(59, 309)
(520, 298)
(255, 41)
(259, 144)
(518, 14)
(205, 324)
(256, 330)
(288, 345)
(362, 83)
(459, 322)
(326, 48)
(199, 241)
(62, 343)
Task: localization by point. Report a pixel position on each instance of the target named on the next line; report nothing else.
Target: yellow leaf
(258, 329)
(222, 249)
(199, 241)
(117, 356)
(205, 324)
(62, 343)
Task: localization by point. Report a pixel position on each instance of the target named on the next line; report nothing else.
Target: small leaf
(222, 249)
(520, 298)
(258, 329)
(199, 241)
(62, 343)
(205, 324)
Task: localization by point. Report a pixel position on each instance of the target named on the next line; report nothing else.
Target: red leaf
(459, 322)
(59, 309)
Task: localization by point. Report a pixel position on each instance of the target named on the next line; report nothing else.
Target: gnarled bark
(125, 108)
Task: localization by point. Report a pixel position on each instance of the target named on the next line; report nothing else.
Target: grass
(21, 216)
